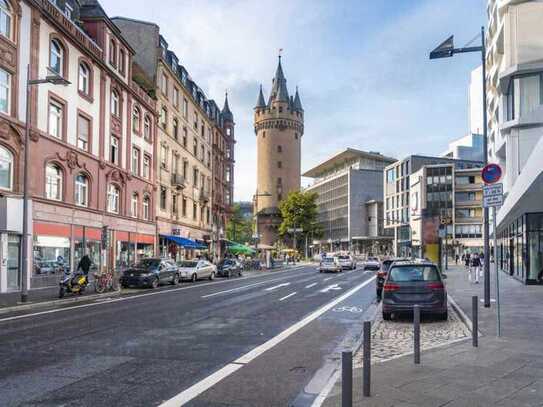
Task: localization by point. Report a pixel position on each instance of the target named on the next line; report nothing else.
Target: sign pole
(499, 329)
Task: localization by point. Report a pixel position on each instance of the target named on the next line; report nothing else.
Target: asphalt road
(268, 340)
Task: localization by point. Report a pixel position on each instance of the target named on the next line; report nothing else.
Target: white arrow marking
(277, 286)
(287, 296)
(311, 285)
(330, 287)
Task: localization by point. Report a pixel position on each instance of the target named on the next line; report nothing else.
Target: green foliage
(238, 228)
(299, 210)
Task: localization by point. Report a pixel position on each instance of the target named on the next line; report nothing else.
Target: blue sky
(361, 66)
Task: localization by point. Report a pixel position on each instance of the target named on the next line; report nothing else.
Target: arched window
(115, 103)
(134, 205)
(136, 120)
(113, 53)
(53, 182)
(6, 169)
(147, 128)
(113, 198)
(84, 78)
(146, 207)
(163, 117)
(81, 190)
(56, 57)
(5, 19)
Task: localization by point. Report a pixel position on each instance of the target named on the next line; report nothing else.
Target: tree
(299, 211)
(238, 228)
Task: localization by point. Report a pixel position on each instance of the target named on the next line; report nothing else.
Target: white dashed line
(311, 285)
(287, 296)
(277, 286)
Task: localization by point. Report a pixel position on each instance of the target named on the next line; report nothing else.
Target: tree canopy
(299, 211)
(238, 228)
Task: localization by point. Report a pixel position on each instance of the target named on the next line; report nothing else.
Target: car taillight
(391, 287)
(435, 286)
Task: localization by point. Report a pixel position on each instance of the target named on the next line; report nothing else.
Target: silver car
(330, 264)
(347, 262)
(196, 269)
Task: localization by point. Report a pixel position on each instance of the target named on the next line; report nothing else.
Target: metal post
(446, 254)
(485, 155)
(498, 316)
(347, 379)
(475, 321)
(367, 359)
(24, 274)
(416, 333)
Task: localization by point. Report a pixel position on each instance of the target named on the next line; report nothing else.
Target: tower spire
(260, 102)
(227, 114)
(297, 101)
(279, 85)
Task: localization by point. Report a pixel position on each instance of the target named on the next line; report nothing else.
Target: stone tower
(279, 126)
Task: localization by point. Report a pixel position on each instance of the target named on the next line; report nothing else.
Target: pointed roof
(227, 114)
(297, 101)
(279, 85)
(260, 102)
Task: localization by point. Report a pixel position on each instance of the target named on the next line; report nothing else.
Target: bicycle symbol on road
(346, 308)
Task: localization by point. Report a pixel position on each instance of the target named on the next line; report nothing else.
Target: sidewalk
(506, 371)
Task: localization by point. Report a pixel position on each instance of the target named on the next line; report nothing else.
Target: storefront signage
(491, 173)
(492, 195)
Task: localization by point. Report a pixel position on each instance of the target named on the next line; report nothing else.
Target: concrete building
(475, 101)
(350, 192)
(397, 195)
(469, 147)
(246, 208)
(442, 196)
(279, 127)
(515, 120)
(195, 145)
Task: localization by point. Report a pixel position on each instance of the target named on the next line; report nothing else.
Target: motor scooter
(73, 283)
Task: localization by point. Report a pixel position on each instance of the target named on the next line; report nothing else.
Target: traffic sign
(492, 195)
(491, 173)
(295, 230)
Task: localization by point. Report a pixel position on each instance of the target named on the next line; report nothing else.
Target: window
(185, 137)
(83, 132)
(163, 195)
(164, 84)
(122, 62)
(146, 205)
(279, 164)
(146, 167)
(530, 93)
(510, 101)
(202, 152)
(195, 147)
(68, 10)
(185, 108)
(114, 150)
(184, 207)
(134, 206)
(53, 182)
(5, 19)
(390, 176)
(136, 120)
(176, 97)
(5, 91)
(113, 53)
(113, 198)
(163, 117)
(194, 211)
(279, 149)
(163, 156)
(81, 194)
(185, 168)
(195, 121)
(174, 204)
(115, 103)
(55, 119)
(6, 169)
(84, 79)
(228, 131)
(175, 129)
(135, 161)
(195, 177)
(147, 128)
(56, 57)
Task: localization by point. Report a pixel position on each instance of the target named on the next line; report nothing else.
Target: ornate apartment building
(194, 147)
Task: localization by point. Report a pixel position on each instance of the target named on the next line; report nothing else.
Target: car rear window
(187, 264)
(328, 260)
(344, 257)
(413, 273)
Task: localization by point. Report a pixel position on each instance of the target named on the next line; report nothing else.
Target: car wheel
(194, 278)
(387, 316)
(212, 276)
(175, 279)
(154, 283)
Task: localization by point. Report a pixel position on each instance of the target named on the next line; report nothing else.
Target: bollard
(367, 358)
(416, 333)
(475, 321)
(347, 379)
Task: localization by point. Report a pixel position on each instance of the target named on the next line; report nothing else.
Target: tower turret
(226, 113)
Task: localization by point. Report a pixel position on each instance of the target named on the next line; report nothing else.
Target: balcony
(178, 181)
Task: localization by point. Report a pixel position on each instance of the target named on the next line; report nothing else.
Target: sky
(361, 66)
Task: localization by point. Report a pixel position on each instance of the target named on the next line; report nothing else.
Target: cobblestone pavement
(391, 339)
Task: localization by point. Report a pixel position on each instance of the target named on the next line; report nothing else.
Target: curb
(43, 304)
(463, 316)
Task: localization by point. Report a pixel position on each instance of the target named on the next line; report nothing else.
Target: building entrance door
(13, 260)
(512, 257)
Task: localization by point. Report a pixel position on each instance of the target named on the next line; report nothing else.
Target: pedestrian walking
(475, 268)
(467, 261)
(456, 258)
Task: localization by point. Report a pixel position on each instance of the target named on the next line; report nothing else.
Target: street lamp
(446, 50)
(54, 80)
(263, 194)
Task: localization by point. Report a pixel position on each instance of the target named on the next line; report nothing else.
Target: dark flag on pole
(444, 50)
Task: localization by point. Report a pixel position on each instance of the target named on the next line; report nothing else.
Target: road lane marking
(277, 286)
(196, 389)
(244, 286)
(287, 296)
(330, 287)
(311, 285)
(329, 278)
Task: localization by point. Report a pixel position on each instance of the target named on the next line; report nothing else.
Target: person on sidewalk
(84, 264)
(456, 258)
(475, 268)
(467, 261)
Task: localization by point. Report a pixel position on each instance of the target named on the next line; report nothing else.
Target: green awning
(236, 248)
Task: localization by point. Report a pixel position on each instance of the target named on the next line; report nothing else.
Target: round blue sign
(491, 173)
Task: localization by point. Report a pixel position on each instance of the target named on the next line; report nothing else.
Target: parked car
(195, 269)
(150, 272)
(229, 268)
(372, 263)
(347, 262)
(410, 283)
(330, 264)
(382, 273)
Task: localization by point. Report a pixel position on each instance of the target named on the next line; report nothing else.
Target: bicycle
(103, 282)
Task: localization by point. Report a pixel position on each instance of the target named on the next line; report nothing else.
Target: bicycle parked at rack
(103, 282)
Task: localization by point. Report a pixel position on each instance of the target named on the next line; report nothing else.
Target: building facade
(515, 121)
(279, 127)
(447, 198)
(397, 196)
(195, 146)
(85, 186)
(350, 191)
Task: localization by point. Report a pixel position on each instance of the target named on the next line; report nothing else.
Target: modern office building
(515, 120)
(397, 195)
(469, 147)
(350, 192)
(447, 198)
